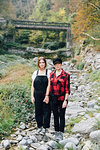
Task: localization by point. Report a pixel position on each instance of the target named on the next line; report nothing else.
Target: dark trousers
(59, 115)
(42, 114)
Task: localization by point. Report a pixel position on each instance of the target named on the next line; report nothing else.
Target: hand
(64, 105)
(46, 99)
(33, 99)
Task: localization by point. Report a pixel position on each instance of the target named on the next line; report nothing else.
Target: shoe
(43, 131)
(58, 136)
(61, 136)
(39, 130)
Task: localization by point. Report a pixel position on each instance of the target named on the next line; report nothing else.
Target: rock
(23, 142)
(13, 141)
(22, 126)
(95, 135)
(87, 145)
(81, 88)
(13, 135)
(6, 144)
(52, 144)
(24, 147)
(34, 139)
(69, 146)
(67, 140)
(19, 138)
(44, 147)
(98, 98)
(29, 141)
(85, 126)
(91, 104)
(97, 116)
(35, 145)
(74, 110)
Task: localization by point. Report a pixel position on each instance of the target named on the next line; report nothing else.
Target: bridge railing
(30, 23)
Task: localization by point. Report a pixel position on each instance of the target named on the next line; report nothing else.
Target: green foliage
(95, 76)
(53, 46)
(11, 30)
(22, 36)
(1, 38)
(80, 65)
(36, 37)
(71, 123)
(13, 45)
(59, 146)
(78, 52)
(73, 61)
(14, 98)
(42, 10)
(6, 119)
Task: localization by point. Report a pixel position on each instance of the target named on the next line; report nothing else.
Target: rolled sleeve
(67, 85)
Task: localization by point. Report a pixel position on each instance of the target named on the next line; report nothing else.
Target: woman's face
(57, 66)
(41, 64)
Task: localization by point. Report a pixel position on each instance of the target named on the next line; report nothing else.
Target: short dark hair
(57, 61)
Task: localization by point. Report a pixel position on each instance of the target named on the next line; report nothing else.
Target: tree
(42, 10)
(7, 9)
(86, 18)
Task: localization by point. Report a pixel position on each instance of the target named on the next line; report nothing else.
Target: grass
(15, 87)
(71, 123)
(95, 76)
(59, 146)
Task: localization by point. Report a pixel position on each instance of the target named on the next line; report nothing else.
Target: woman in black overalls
(39, 86)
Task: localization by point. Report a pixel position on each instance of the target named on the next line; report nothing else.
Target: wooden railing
(22, 24)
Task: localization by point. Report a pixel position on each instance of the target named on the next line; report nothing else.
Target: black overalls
(42, 110)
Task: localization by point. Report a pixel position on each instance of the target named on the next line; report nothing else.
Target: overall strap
(46, 72)
(37, 72)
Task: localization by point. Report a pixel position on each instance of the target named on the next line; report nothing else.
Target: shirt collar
(60, 74)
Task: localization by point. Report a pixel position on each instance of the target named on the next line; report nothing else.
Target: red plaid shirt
(60, 85)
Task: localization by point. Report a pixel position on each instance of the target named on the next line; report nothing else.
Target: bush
(16, 101)
(73, 61)
(78, 52)
(54, 45)
(11, 30)
(1, 38)
(80, 65)
(13, 45)
(6, 120)
(46, 45)
(95, 76)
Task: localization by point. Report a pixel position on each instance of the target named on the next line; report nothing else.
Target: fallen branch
(97, 7)
(90, 36)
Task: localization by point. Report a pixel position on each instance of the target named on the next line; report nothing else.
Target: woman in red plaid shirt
(58, 90)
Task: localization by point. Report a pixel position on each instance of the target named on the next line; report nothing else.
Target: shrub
(53, 45)
(46, 45)
(16, 101)
(1, 38)
(95, 76)
(6, 120)
(73, 61)
(80, 65)
(78, 52)
(11, 30)
(13, 45)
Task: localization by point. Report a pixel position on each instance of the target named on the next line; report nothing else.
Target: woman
(38, 93)
(58, 89)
